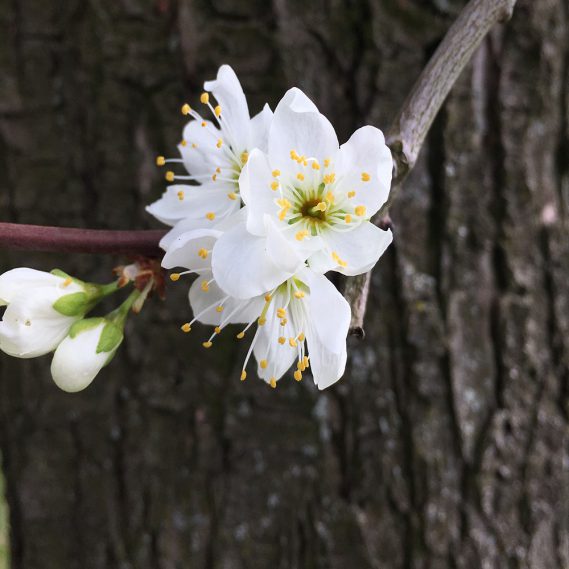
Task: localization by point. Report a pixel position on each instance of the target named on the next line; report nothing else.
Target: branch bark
(75, 240)
(409, 129)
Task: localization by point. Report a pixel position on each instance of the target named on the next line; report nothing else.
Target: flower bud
(90, 345)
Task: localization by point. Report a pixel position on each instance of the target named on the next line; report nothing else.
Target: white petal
(184, 250)
(360, 249)
(297, 125)
(22, 279)
(366, 153)
(327, 331)
(255, 188)
(242, 266)
(196, 202)
(234, 110)
(31, 328)
(76, 362)
(235, 311)
(259, 129)
(183, 227)
(200, 153)
(285, 254)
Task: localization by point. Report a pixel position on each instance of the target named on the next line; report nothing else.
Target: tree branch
(409, 129)
(70, 240)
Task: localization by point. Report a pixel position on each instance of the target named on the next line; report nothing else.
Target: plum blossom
(308, 200)
(213, 152)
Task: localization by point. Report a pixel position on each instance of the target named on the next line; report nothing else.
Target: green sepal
(111, 338)
(74, 304)
(84, 325)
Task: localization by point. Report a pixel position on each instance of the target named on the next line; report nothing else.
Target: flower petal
(191, 250)
(297, 125)
(365, 166)
(181, 202)
(182, 227)
(199, 151)
(360, 249)
(234, 110)
(241, 265)
(22, 279)
(327, 330)
(259, 129)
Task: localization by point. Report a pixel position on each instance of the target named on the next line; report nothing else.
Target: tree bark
(444, 445)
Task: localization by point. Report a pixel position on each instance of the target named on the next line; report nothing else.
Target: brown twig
(70, 240)
(409, 129)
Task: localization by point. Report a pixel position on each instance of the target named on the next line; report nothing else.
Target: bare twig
(70, 240)
(409, 129)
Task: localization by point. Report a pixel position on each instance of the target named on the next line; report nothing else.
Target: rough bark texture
(445, 445)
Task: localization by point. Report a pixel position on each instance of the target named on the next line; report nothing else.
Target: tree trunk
(445, 444)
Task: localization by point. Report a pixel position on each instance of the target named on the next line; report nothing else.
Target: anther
(365, 177)
(186, 109)
(327, 162)
(292, 342)
(263, 364)
(184, 143)
(330, 178)
(274, 186)
(299, 294)
(300, 176)
(322, 206)
(210, 215)
(244, 157)
(315, 166)
(67, 282)
(262, 321)
(219, 309)
(352, 194)
(180, 195)
(194, 145)
(219, 142)
(217, 111)
(207, 344)
(204, 124)
(205, 286)
(243, 375)
(214, 177)
(273, 382)
(360, 210)
(301, 337)
(169, 176)
(240, 336)
(300, 235)
(297, 375)
(282, 340)
(203, 253)
(281, 312)
(268, 298)
(348, 218)
(204, 98)
(217, 329)
(276, 173)
(185, 327)
(284, 322)
(175, 277)
(232, 196)
(160, 160)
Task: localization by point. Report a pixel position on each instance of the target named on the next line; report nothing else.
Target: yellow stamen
(203, 253)
(194, 145)
(351, 194)
(186, 109)
(365, 177)
(300, 176)
(268, 298)
(184, 143)
(283, 202)
(327, 162)
(67, 282)
(322, 206)
(204, 124)
(293, 155)
(300, 235)
(284, 322)
(217, 111)
(262, 321)
(214, 177)
(282, 340)
(299, 294)
(205, 286)
(210, 215)
(276, 173)
(243, 375)
(244, 157)
(281, 312)
(330, 178)
(348, 218)
(315, 166)
(160, 160)
(219, 309)
(207, 344)
(297, 375)
(217, 329)
(292, 342)
(305, 361)
(218, 170)
(360, 210)
(169, 176)
(181, 195)
(204, 98)
(300, 337)
(219, 142)
(263, 364)
(240, 336)
(232, 196)
(274, 186)
(175, 277)
(185, 327)
(273, 382)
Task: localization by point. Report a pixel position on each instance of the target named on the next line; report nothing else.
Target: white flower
(213, 153)
(305, 312)
(306, 198)
(41, 309)
(90, 345)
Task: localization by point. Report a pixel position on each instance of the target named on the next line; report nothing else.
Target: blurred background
(445, 444)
